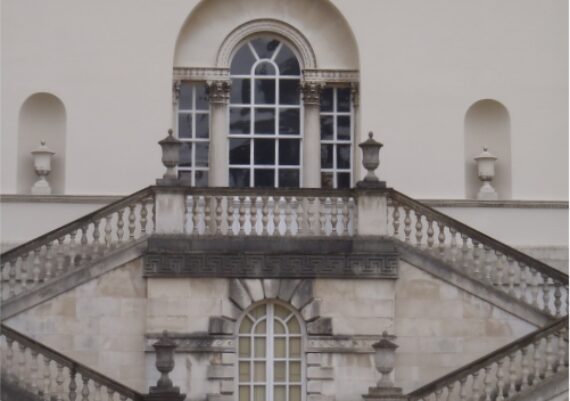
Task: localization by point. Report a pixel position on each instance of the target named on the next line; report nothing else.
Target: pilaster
(219, 95)
(311, 91)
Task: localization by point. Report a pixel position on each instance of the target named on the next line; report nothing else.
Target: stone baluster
(463, 389)
(476, 259)
(300, 220)
(84, 250)
(525, 372)
(241, 217)
(59, 381)
(288, 217)
(143, 217)
(438, 394)
(441, 238)
(96, 236)
(11, 267)
(549, 356)
(120, 225)
(231, 216)
(254, 209)
(132, 220)
(511, 389)
(537, 361)
(453, 245)
(322, 216)
(499, 269)
(21, 369)
(34, 372)
(202, 223)
(97, 392)
(276, 215)
(465, 251)
(333, 216)
(311, 219)
(352, 217)
(195, 215)
(523, 281)
(45, 392)
(487, 267)
(419, 229)
(396, 219)
(282, 217)
(36, 267)
(109, 231)
(265, 216)
(511, 276)
(488, 382)
(10, 359)
(562, 346)
(110, 394)
(219, 213)
(84, 388)
(48, 264)
(407, 224)
(340, 223)
(430, 233)
(475, 387)
(557, 299)
(72, 386)
(500, 380)
(545, 293)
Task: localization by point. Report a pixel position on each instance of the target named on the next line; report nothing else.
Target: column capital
(219, 91)
(311, 91)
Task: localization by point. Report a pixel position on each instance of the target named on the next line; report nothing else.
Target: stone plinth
(384, 394)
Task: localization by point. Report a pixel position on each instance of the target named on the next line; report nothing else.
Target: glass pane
(289, 178)
(265, 121)
(343, 156)
(289, 152)
(202, 102)
(287, 62)
(326, 156)
(278, 327)
(184, 125)
(289, 122)
(185, 96)
(289, 91)
(242, 61)
(202, 154)
(259, 312)
(327, 180)
(279, 349)
(279, 372)
(259, 344)
(264, 152)
(294, 371)
(264, 47)
(265, 69)
(343, 127)
(293, 325)
(294, 347)
(202, 125)
(244, 371)
(239, 177)
(260, 328)
(243, 393)
(244, 346)
(240, 120)
(343, 99)
(279, 393)
(264, 91)
(343, 180)
(327, 99)
(259, 371)
(281, 312)
(259, 393)
(240, 92)
(327, 127)
(265, 178)
(185, 153)
(239, 151)
(295, 393)
(246, 325)
(201, 178)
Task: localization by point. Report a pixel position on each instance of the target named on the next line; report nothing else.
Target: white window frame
(194, 139)
(252, 136)
(335, 141)
(269, 352)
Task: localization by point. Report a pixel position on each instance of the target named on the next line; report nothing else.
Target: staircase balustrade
(270, 212)
(50, 375)
(478, 255)
(505, 372)
(70, 247)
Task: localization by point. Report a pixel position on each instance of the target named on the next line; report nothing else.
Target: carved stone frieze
(219, 91)
(311, 91)
(196, 342)
(361, 265)
(331, 76)
(200, 74)
(343, 344)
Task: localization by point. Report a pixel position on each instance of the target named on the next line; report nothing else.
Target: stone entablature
(270, 258)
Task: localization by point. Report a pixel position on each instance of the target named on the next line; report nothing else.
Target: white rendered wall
(422, 65)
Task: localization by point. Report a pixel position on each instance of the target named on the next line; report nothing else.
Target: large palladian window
(270, 362)
(265, 116)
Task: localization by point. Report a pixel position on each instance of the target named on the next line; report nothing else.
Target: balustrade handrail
(275, 192)
(488, 359)
(75, 224)
(73, 366)
(484, 239)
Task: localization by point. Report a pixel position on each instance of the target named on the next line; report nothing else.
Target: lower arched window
(270, 357)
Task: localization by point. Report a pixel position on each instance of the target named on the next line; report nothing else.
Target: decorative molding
(239, 265)
(195, 342)
(176, 91)
(200, 74)
(219, 91)
(331, 76)
(311, 91)
(342, 344)
(286, 31)
(355, 93)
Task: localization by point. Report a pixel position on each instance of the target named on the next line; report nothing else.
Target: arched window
(265, 116)
(270, 356)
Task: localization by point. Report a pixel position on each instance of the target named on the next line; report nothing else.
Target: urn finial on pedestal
(486, 172)
(170, 158)
(164, 390)
(370, 161)
(42, 165)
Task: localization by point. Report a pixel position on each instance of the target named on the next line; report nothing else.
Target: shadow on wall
(487, 123)
(42, 118)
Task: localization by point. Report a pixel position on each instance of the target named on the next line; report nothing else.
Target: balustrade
(478, 255)
(72, 246)
(52, 376)
(507, 371)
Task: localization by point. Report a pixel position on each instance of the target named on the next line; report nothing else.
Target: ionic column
(219, 95)
(312, 134)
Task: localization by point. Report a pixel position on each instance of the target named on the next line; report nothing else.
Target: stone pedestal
(174, 395)
(384, 394)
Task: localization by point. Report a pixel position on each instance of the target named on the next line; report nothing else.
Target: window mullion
(270, 354)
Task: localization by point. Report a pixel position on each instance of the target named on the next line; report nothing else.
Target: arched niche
(42, 118)
(314, 27)
(487, 123)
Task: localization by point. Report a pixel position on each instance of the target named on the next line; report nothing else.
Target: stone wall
(100, 324)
